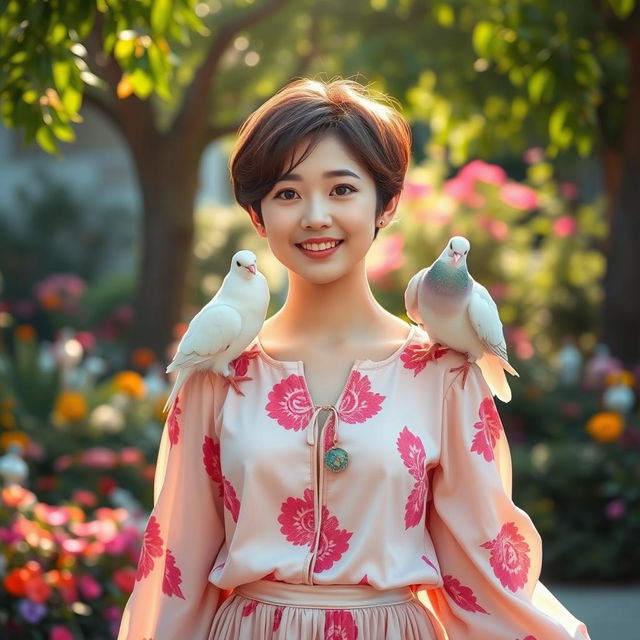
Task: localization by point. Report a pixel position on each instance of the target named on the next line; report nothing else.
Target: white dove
(225, 326)
(458, 312)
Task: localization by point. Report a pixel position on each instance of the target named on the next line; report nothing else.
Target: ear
(389, 211)
(255, 221)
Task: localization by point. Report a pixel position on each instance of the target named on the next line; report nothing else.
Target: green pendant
(336, 459)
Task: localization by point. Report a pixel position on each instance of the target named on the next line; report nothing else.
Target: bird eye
(238, 262)
(451, 246)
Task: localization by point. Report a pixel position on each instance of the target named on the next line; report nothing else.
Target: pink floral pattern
(172, 577)
(413, 455)
(289, 403)
(248, 609)
(297, 522)
(213, 467)
(339, 625)
(151, 547)
(174, 423)
(365, 580)
(277, 618)
(241, 363)
(489, 429)
(509, 558)
(462, 595)
(358, 403)
(417, 356)
(433, 566)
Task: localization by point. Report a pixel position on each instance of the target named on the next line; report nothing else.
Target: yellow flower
(620, 377)
(9, 437)
(71, 405)
(605, 426)
(131, 383)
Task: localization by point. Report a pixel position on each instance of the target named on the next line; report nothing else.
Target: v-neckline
(357, 364)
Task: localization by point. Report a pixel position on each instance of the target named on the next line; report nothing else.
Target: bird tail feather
(177, 385)
(493, 368)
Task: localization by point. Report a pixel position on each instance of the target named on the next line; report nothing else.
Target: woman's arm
(172, 597)
(488, 549)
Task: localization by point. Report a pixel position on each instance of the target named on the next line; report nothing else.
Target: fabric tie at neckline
(335, 459)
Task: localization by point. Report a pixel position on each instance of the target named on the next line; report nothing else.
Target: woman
(355, 488)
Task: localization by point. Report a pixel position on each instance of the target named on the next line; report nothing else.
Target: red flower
(358, 402)
(509, 557)
(463, 596)
(339, 625)
(151, 547)
(289, 403)
(490, 429)
(172, 577)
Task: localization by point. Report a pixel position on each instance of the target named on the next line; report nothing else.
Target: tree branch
(196, 99)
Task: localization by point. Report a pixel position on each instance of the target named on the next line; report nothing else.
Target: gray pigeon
(459, 313)
(225, 326)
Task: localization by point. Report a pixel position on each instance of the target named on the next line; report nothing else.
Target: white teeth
(319, 247)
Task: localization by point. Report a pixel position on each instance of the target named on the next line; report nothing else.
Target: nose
(317, 213)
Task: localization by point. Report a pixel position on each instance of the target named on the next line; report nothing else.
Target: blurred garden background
(117, 223)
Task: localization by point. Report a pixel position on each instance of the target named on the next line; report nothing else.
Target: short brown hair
(375, 133)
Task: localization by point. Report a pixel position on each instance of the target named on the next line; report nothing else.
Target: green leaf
(622, 8)
(46, 139)
(161, 11)
(483, 35)
(557, 120)
(142, 82)
(61, 72)
(540, 84)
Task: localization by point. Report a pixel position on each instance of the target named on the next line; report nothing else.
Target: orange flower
(605, 426)
(25, 332)
(51, 301)
(37, 589)
(623, 377)
(70, 406)
(17, 496)
(142, 357)
(14, 436)
(131, 383)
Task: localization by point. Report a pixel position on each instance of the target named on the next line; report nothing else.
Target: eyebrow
(337, 173)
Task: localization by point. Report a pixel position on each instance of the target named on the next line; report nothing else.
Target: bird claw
(464, 368)
(234, 381)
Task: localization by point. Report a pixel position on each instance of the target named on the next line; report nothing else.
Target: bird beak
(252, 268)
(456, 257)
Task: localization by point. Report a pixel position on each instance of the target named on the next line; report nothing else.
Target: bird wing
(211, 332)
(485, 319)
(411, 296)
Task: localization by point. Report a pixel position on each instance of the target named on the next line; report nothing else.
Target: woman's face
(328, 199)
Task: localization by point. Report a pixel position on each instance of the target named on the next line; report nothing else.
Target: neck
(330, 313)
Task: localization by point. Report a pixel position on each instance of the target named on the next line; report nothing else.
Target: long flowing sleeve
(172, 597)
(488, 549)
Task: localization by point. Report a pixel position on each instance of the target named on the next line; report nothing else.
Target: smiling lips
(319, 244)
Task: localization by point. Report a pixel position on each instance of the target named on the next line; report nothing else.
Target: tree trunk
(621, 309)
(168, 176)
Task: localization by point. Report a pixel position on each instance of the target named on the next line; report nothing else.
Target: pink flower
(478, 170)
(565, 226)
(462, 595)
(89, 587)
(413, 455)
(509, 558)
(533, 155)
(124, 579)
(390, 256)
(172, 577)
(213, 467)
(461, 189)
(74, 545)
(289, 403)
(569, 190)
(58, 632)
(62, 463)
(358, 402)
(84, 497)
(131, 456)
(519, 196)
(100, 458)
(489, 427)
(415, 190)
(174, 423)
(416, 356)
(339, 625)
(151, 548)
(615, 510)
(334, 542)
(498, 229)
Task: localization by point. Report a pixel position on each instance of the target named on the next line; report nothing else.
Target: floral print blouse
(243, 492)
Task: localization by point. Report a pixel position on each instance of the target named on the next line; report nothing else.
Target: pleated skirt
(268, 610)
